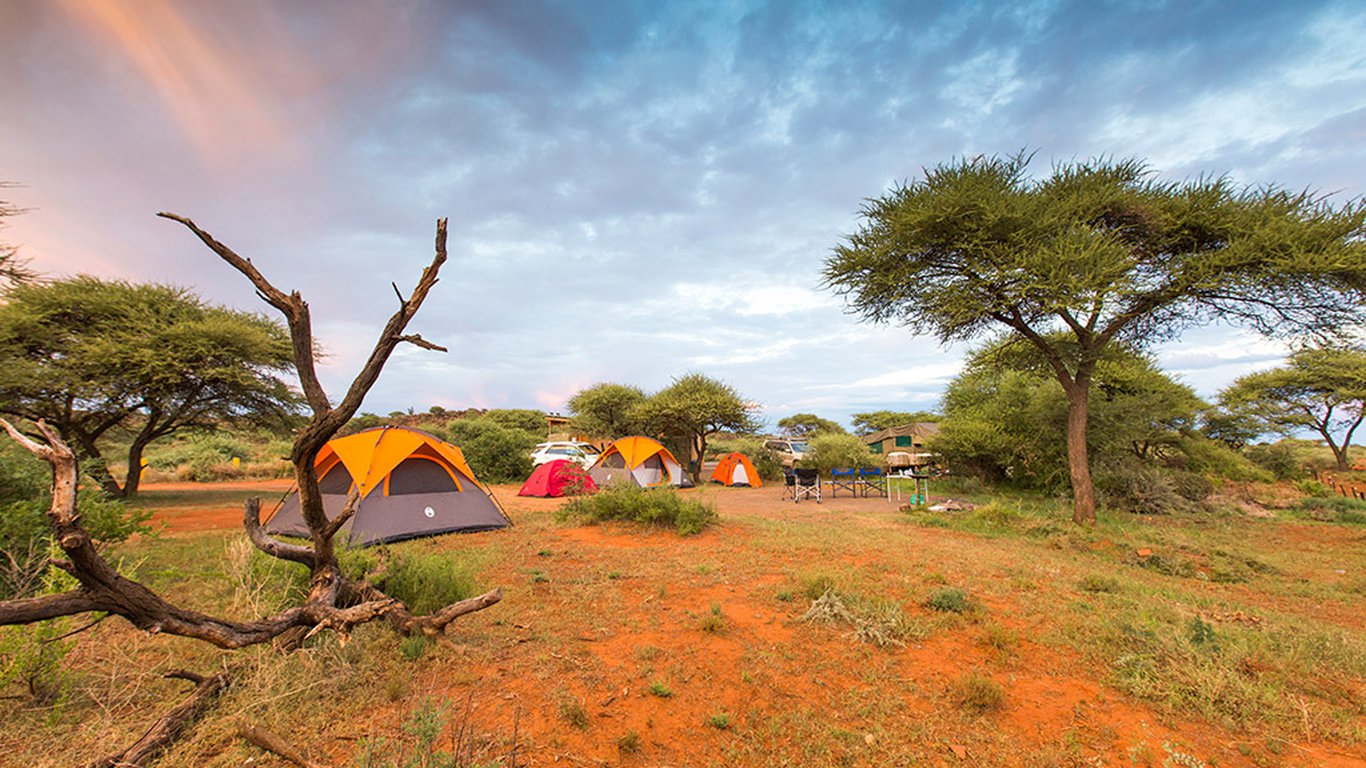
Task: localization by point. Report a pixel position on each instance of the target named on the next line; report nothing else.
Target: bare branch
(172, 725)
(251, 521)
(417, 340)
(292, 306)
(272, 743)
(346, 514)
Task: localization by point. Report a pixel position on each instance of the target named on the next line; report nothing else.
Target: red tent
(560, 477)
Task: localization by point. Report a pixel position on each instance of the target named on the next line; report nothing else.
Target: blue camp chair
(844, 479)
(872, 481)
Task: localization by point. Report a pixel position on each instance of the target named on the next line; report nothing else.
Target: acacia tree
(90, 356)
(1005, 415)
(334, 602)
(606, 409)
(1103, 251)
(868, 423)
(1319, 388)
(697, 407)
(805, 425)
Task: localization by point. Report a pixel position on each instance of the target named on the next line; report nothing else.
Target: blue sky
(635, 190)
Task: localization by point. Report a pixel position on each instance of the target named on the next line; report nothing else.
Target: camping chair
(807, 485)
(844, 479)
(872, 481)
(789, 484)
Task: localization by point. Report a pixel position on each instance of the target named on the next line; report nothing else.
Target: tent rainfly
(637, 461)
(736, 469)
(560, 477)
(410, 484)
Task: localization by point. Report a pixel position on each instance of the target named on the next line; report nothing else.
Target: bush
(1334, 509)
(1278, 458)
(949, 600)
(651, 507)
(827, 452)
(496, 453)
(26, 540)
(1141, 489)
(427, 582)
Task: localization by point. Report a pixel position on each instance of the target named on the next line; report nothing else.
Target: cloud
(634, 191)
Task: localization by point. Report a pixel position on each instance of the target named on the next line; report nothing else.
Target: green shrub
(26, 538)
(496, 453)
(827, 452)
(1096, 583)
(949, 600)
(650, 507)
(1278, 458)
(426, 582)
(1313, 488)
(1131, 487)
(1334, 509)
(661, 689)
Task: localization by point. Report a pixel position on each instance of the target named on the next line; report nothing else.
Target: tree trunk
(93, 464)
(134, 477)
(1078, 459)
(699, 446)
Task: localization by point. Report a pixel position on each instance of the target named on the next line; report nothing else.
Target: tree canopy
(91, 357)
(606, 410)
(696, 407)
(1320, 388)
(804, 425)
(1103, 251)
(868, 423)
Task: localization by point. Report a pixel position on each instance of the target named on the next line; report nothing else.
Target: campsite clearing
(842, 633)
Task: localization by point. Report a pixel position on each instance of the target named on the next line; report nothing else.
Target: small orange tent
(736, 469)
(410, 484)
(645, 463)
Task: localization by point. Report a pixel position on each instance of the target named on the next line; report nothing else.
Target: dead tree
(334, 602)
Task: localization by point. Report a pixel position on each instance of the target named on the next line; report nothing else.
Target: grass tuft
(978, 695)
(663, 508)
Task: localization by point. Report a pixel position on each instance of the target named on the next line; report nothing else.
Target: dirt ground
(603, 653)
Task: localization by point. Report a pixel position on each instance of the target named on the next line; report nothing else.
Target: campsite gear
(637, 461)
(844, 478)
(872, 481)
(560, 477)
(410, 484)
(736, 469)
(806, 485)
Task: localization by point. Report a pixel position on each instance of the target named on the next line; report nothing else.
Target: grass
(1244, 629)
(658, 507)
(976, 694)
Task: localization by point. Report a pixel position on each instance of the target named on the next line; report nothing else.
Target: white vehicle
(789, 451)
(582, 454)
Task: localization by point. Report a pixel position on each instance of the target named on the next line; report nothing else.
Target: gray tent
(411, 484)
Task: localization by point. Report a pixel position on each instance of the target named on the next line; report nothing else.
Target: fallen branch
(172, 725)
(272, 743)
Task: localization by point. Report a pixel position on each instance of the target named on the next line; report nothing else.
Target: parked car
(582, 454)
(789, 451)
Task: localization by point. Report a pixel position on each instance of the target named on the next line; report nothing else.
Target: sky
(636, 190)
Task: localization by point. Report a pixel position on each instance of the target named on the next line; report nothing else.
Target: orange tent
(410, 484)
(736, 469)
(645, 463)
